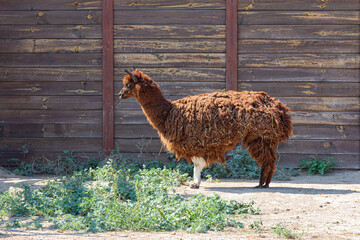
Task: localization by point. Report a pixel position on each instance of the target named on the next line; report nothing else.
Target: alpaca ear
(133, 76)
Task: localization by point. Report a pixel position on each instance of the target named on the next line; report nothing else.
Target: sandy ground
(323, 207)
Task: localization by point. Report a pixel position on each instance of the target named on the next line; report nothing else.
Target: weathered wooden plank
(135, 131)
(49, 5)
(298, 17)
(127, 60)
(325, 118)
(51, 60)
(300, 60)
(178, 74)
(135, 116)
(177, 45)
(50, 46)
(297, 32)
(51, 116)
(50, 17)
(343, 161)
(50, 102)
(324, 132)
(50, 88)
(37, 145)
(339, 5)
(298, 75)
(169, 4)
(298, 46)
(320, 147)
(51, 74)
(185, 88)
(50, 130)
(231, 44)
(169, 45)
(46, 157)
(153, 17)
(169, 31)
(299, 89)
(108, 75)
(346, 104)
(50, 31)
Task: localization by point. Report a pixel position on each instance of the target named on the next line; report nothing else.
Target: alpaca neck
(156, 107)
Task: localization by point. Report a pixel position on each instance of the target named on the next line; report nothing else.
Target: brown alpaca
(204, 127)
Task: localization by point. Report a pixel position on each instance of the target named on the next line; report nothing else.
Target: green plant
(257, 225)
(283, 232)
(316, 166)
(121, 196)
(22, 168)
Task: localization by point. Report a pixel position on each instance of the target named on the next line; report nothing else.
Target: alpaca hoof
(195, 186)
(262, 186)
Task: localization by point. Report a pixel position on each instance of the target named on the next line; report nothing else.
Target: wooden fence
(54, 94)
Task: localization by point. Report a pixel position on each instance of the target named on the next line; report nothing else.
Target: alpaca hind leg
(273, 167)
(268, 168)
(199, 164)
(265, 171)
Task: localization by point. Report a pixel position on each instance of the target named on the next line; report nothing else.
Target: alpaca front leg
(199, 164)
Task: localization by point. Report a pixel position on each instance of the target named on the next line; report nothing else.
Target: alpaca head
(136, 83)
(130, 81)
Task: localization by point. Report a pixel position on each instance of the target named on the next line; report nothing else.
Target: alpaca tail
(285, 122)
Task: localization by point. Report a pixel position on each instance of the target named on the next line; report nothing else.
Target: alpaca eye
(129, 85)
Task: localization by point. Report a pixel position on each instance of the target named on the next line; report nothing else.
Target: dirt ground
(322, 207)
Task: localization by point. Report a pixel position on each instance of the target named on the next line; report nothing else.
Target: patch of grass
(316, 166)
(283, 232)
(122, 196)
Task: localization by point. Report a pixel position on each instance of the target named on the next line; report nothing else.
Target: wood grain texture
(304, 5)
(169, 45)
(298, 46)
(168, 4)
(49, 5)
(51, 74)
(51, 60)
(37, 145)
(50, 17)
(50, 130)
(298, 89)
(169, 17)
(50, 88)
(169, 60)
(36, 102)
(50, 45)
(50, 31)
(299, 60)
(298, 18)
(108, 75)
(51, 116)
(165, 31)
(347, 32)
(298, 75)
(231, 45)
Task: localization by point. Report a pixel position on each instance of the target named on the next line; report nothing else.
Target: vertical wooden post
(108, 75)
(231, 44)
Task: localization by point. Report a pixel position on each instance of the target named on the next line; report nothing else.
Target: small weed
(283, 232)
(315, 166)
(257, 226)
(211, 180)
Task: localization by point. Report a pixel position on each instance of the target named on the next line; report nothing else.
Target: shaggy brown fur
(209, 125)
